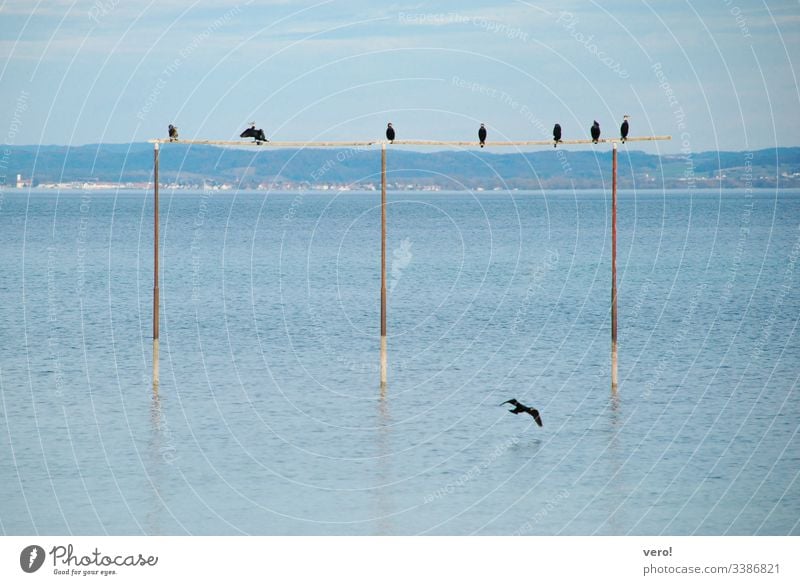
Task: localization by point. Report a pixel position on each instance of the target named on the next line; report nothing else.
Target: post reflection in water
(383, 505)
(161, 454)
(153, 525)
(615, 453)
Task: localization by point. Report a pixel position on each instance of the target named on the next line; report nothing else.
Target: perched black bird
(623, 130)
(526, 409)
(256, 134)
(556, 135)
(595, 132)
(482, 135)
(390, 133)
(173, 133)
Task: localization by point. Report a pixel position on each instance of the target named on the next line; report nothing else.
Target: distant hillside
(546, 168)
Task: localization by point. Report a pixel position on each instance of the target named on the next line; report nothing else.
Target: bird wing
(536, 417)
(512, 401)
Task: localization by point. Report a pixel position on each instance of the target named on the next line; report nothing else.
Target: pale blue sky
(77, 72)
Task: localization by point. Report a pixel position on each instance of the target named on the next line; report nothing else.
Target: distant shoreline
(43, 189)
(185, 166)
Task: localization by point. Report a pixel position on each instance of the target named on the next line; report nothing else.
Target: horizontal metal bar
(312, 144)
(266, 144)
(527, 142)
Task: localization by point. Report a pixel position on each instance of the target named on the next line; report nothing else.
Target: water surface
(269, 418)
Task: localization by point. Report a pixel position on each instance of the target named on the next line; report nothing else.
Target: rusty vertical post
(383, 266)
(155, 265)
(614, 379)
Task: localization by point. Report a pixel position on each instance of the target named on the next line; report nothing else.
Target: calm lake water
(269, 418)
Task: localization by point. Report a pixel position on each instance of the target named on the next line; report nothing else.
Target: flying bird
(595, 132)
(556, 135)
(518, 407)
(623, 130)
(173, 133)
(482, 135)
(390, 133)
(256, 134)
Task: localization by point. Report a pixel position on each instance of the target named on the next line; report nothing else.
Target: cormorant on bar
(556, 135)
(390, 133)
(256, 134)
(623, 130)
(518, 407)
(173, 133)
(482, 135)
(595, 132)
